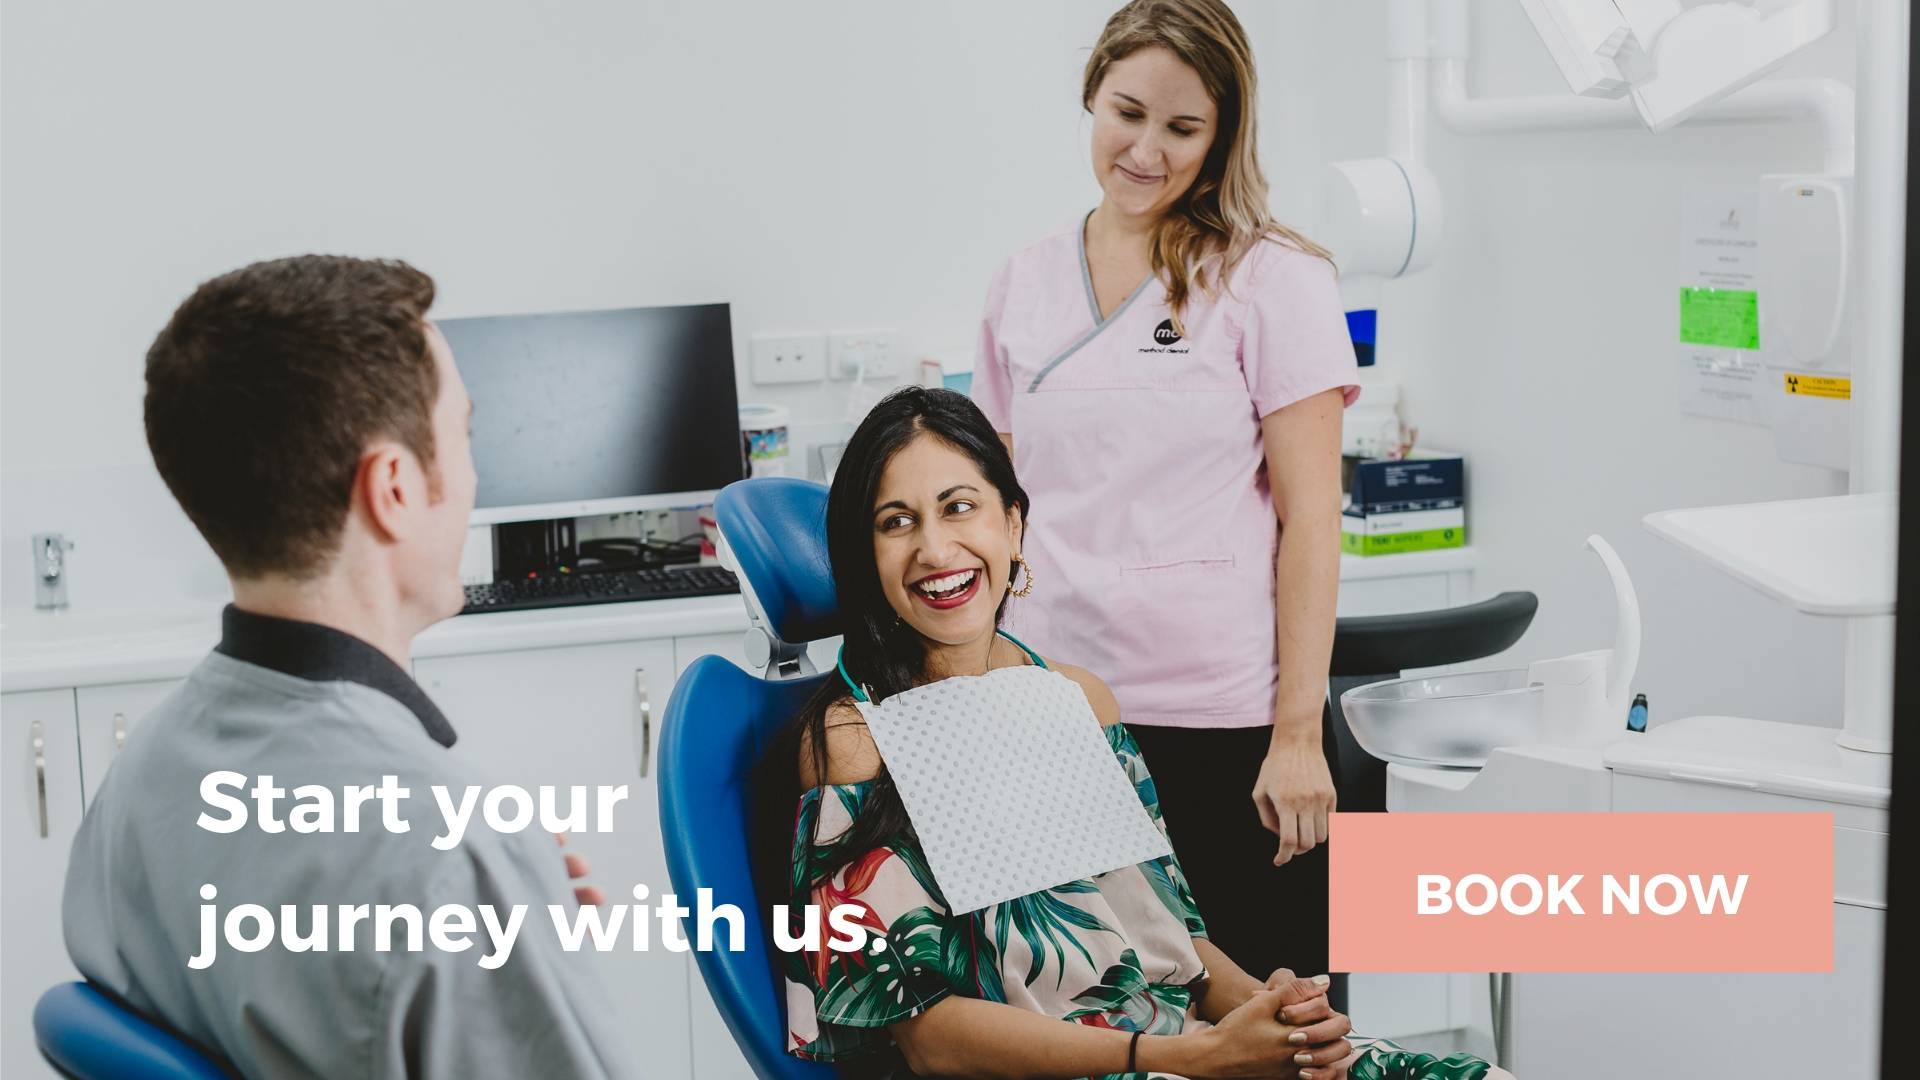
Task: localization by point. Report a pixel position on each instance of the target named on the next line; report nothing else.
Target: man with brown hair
(311, 423)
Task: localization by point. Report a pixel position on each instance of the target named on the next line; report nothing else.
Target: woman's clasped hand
(1286, 1029)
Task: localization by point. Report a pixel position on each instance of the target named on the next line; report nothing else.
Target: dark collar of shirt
(318, 653)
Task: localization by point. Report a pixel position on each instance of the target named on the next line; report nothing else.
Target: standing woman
(1170, 374)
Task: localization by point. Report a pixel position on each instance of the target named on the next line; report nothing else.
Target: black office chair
(1373, 648)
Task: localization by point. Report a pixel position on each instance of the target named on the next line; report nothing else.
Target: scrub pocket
(1175, 607)
(1191, 564)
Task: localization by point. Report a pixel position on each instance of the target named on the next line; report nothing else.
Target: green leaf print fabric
(1382, 1060)
(1113, 951)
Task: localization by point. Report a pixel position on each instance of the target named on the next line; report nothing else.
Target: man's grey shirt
(133, 889)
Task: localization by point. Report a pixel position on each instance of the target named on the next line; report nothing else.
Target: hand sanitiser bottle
(1637, 715)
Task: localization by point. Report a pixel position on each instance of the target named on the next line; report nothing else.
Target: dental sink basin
(1452, 720)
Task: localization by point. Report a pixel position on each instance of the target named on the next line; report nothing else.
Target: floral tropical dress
(1113, 951)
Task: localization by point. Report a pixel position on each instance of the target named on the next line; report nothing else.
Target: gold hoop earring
(1028, 587)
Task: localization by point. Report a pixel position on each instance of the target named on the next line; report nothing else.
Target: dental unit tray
(1457, 720)
(1453, 720)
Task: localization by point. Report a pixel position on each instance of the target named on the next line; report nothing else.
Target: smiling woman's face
(942, 541)
(1153, 123)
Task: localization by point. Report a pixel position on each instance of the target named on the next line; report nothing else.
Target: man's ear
(384, 490)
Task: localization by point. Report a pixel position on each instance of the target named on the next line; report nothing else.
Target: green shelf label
(1392, 543)
(1727, 318)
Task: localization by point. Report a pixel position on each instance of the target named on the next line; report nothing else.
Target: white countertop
(47, 650)
(1406, 564)
(1826, 556)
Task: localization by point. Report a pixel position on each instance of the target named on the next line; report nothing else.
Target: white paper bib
(1011, 784)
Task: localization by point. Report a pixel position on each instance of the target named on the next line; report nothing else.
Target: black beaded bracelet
(1133, 1046)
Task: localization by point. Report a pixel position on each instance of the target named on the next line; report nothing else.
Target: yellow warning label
(1826, 386)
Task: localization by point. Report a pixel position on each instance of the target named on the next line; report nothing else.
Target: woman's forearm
(967, 1037)
(1302, 447)
(1226, 986)
(1307, 581)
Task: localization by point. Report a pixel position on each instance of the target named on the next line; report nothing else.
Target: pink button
(1581, 892)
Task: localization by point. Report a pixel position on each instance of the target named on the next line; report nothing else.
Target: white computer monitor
(599, 412)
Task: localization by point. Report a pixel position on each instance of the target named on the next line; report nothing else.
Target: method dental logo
(1165, 334)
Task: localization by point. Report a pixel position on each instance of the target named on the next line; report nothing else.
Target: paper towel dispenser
(1806, 229)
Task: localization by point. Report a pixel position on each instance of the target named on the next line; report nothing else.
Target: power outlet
(789, 358)
(863, 351)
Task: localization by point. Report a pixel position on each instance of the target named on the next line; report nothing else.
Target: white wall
(846, 165)
(820, 166)
(1542, 344)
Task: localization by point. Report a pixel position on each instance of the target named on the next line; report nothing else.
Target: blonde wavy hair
(1224, 214)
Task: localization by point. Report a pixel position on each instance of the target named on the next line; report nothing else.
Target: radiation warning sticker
(1824, 386)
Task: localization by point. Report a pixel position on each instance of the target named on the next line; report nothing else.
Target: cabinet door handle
(643, 718)
(119, 732)
(40, 772)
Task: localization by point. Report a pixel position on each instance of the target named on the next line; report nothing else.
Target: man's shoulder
(233, 731)
(232, 714)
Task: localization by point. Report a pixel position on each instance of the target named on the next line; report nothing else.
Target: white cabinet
(686, 650)
(39, 811)
(108, 715)
(1573, 1026)
(586, 714)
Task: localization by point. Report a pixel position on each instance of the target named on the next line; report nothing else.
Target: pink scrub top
(1152, 536)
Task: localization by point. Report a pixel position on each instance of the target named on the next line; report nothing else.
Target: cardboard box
(1426, 480)
(1390, 533)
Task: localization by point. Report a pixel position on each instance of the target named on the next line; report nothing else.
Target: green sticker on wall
(1728, 318)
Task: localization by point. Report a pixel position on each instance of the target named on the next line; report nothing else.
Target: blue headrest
(776, 528)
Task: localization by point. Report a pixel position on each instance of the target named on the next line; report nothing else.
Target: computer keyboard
(566, 590)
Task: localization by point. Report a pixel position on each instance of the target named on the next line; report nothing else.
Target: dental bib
(1011, 784)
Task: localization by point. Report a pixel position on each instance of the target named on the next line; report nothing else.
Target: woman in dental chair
(1110, 975)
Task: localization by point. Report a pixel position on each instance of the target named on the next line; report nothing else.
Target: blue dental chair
(86, 1035)
(718, 722)
(719, 719)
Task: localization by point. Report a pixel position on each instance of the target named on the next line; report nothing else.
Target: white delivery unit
(1577, 1026)
(1828, 557)
(1571, 1026)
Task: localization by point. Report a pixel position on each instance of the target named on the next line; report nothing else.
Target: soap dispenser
(50, 571)
(1587, 695)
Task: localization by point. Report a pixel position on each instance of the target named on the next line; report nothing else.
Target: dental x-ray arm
(1673, 60)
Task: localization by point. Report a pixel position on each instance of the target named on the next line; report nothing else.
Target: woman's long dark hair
(882, 653)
